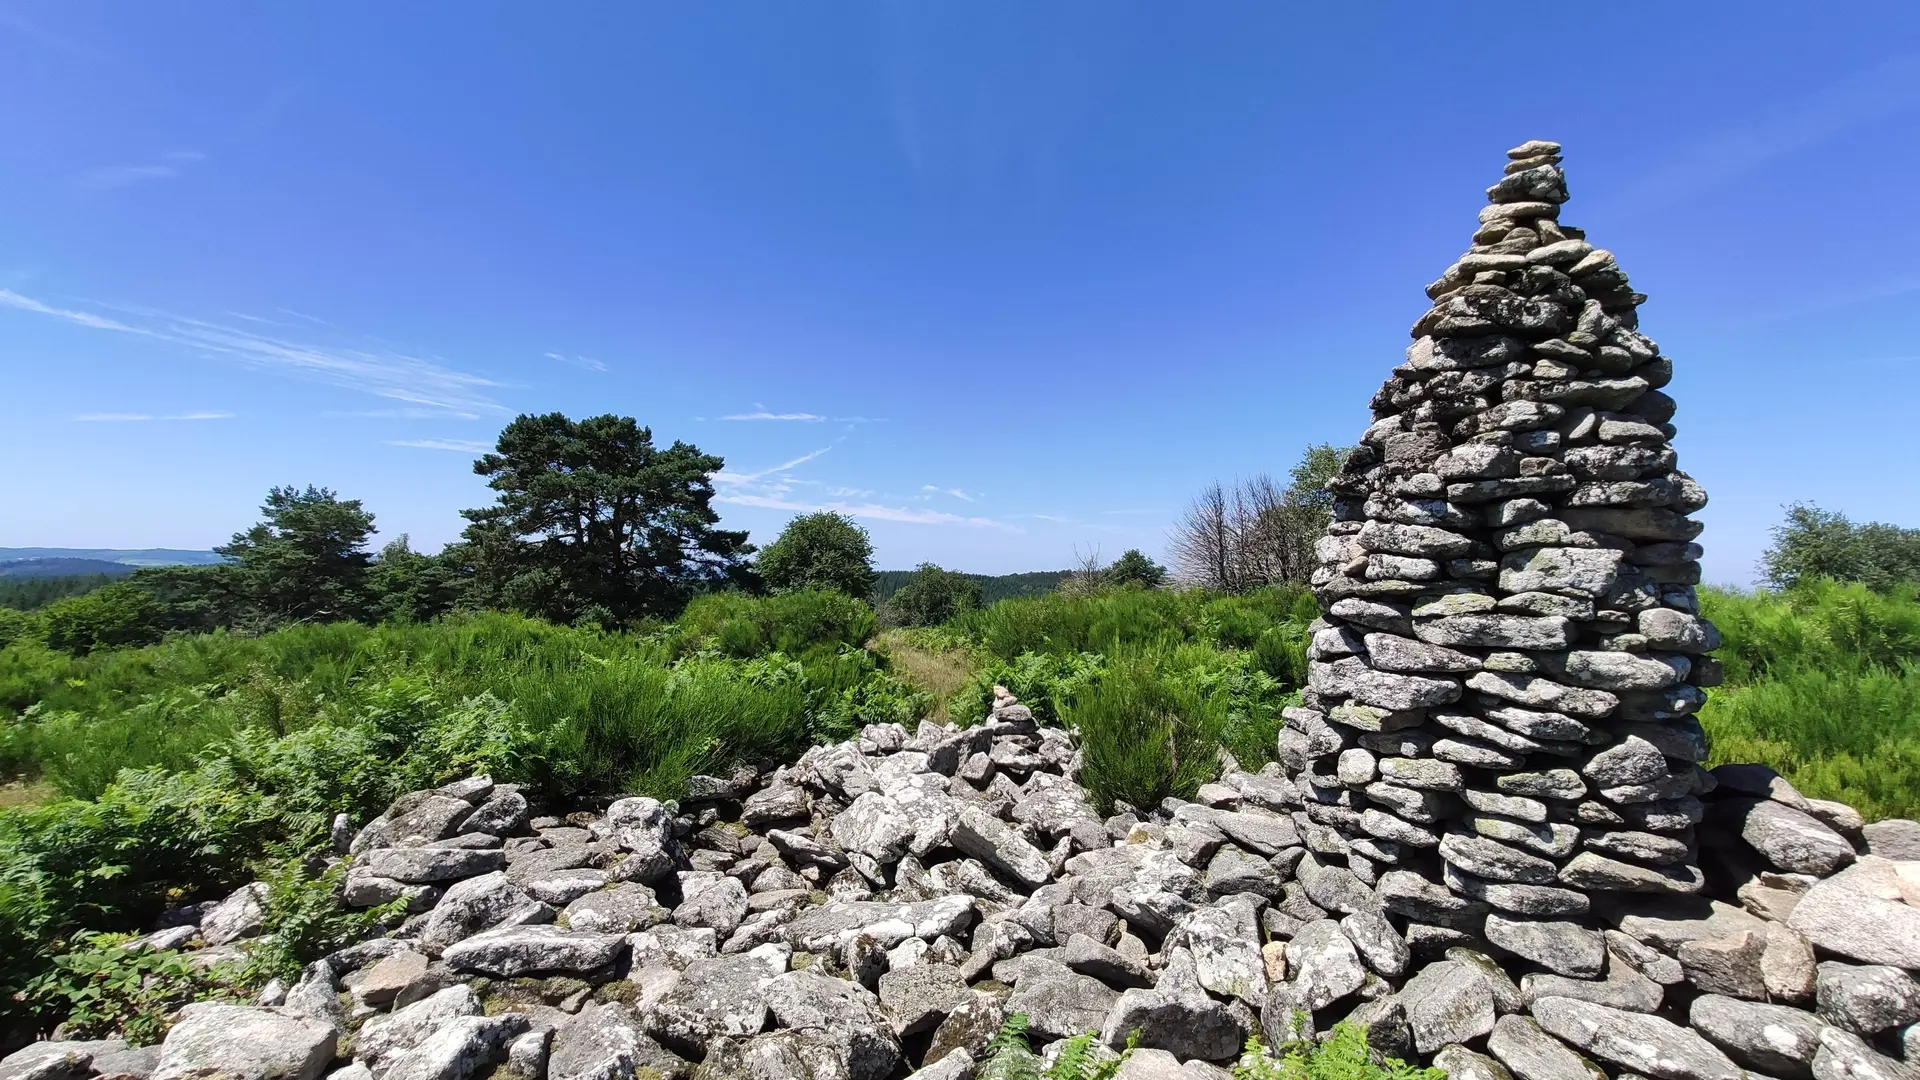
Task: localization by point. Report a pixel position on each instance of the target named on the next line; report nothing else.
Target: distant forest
(32, 592)
(992, 588)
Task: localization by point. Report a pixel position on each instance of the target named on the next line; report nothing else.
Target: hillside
(992, 587)
(127, 556)
(62, 567)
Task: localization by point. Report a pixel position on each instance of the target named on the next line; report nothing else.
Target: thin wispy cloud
(874, 511)
(387, 373)
(464, 446)
(802, 417)
(587, 363)
(727, 476)
(1130, 513)
(310, 318)
(130, 418)
(1879, 91)
(955, 492)
(411, 413)
(763, 414)
(170, 166)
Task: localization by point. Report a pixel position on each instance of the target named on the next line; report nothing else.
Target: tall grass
(1850, 736)
(1822, 684)
(1144, 737)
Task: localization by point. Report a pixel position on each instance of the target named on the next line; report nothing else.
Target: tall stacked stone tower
(1499, 730)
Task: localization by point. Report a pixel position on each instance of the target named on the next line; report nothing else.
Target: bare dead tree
(1087, 575)
(1203, 544)
(1257, 532)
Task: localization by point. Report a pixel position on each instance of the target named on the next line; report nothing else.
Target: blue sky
(1003, 280)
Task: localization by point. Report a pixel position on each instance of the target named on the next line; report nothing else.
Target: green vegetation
(1009, 1057)
(187, 729)
(1823, 684)
(1814, 543)
(930, 597)
(32, 592)
(993, 587)
(1344, 1056)
(819, 551)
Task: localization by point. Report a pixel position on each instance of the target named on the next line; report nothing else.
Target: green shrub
(1144, 736)
(104, 989)
(1850, 736)
(304, 920)
(1820, 625)
(739, 625)
(932, 596)
(109, 617)
(1344, 1056)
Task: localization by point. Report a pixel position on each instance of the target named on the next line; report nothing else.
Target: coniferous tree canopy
(595, 523)
(306, 561)
(824, 550)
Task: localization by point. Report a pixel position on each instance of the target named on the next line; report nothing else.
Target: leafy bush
(103, 988)
(304, 920)
(932, 596)
(1854, 737)
(109, 617)
(1007, 1056)
(736, 624)
(1344, 1056)
(823, 550)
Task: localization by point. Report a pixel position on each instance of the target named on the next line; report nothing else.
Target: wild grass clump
(1144, 736)
(1822, 684)
(1849, 736)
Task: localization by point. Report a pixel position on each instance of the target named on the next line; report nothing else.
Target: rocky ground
(876, 909)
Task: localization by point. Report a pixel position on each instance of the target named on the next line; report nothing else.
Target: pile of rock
(1489, 841)
(885, 903)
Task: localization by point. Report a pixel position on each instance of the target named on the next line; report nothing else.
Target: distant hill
(62, 567)
(992, 587)
(127, 556)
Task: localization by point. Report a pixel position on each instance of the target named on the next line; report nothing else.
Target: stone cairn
(1488, 844)
(1503, 687)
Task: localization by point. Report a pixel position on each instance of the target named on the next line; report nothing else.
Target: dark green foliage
(1815, 543)
(1823, 684)
(196, 599)
(1344, 1056)
(825, 551)
(304, 920)
(31, 592)
(104, 989)
(113, 616)
(993, 588)
(412, 587)
(1007, 1056)
(1145, 737)
(736, 624)
(1134, 568)
(594, 523)
(305, 562)
(932, 596)
(16, 625)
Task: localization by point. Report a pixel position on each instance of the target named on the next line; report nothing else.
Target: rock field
(1489, 840)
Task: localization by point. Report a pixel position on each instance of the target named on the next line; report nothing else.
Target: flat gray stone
(1866, 999)
(1635, 1042)
(1859, 914)
(241, 1042)
(1447, 1002)
(1532, 1054)
(1772, 1039)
